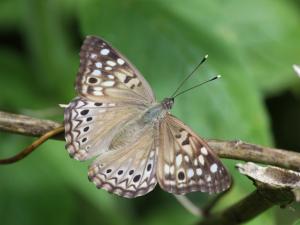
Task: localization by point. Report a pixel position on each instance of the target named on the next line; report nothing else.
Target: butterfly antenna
(197, 85)
(188, 76)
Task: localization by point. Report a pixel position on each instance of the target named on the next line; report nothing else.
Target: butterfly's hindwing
(186, 163)
(129, 172)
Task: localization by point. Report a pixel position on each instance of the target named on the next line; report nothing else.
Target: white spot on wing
(96, 72)
(186, 158)
(108, 83)
(98, 93)
(201, 159)
(198, 171)
(111, 63)
(213, 168)
(190, 173)
(167, 169)
(98, 65)
(98, 88)
(93, 56)
(172, 169)
(204, 151)
(178, 160)
(120, 61)
(104, 51)
(108, 68)
(195, 162)
(208, 178)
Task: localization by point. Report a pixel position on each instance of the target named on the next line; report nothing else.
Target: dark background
(253, 44)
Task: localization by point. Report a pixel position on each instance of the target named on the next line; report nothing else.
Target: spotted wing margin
(90, 126)
(186, 163)
(104, 72)
(130, 171)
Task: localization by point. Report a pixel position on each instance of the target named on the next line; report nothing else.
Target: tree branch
(256, 153)
(29, 149)
(26, 125)
(254, 204)
(275, 186)
(30, 126)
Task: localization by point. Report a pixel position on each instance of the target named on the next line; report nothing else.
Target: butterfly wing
(130, 172)
(186, 163)
(104, 73)
(90, 126)
(111, 93)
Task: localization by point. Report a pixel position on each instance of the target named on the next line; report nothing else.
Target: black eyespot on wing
(181, 175)
(84, 112)
(136, 178)
(149, 167)
(93, 80)
(186, 142)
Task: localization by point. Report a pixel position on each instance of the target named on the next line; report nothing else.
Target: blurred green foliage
(251, 43)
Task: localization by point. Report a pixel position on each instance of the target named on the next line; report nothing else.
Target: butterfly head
(167, 103)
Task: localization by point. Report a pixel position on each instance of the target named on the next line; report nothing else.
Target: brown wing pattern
(105, 75)
(186, 163)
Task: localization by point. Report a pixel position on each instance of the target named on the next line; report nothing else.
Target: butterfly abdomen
(132, 131)
(128, 135)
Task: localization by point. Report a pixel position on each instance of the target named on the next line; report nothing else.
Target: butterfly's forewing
(104, 73)
(186, 163)
(130, 171)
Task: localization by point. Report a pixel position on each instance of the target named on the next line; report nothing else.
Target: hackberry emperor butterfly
(135, 139)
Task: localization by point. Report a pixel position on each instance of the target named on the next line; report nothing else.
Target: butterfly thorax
(158, 111)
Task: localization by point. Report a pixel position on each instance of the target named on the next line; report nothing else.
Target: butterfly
(134, 140)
